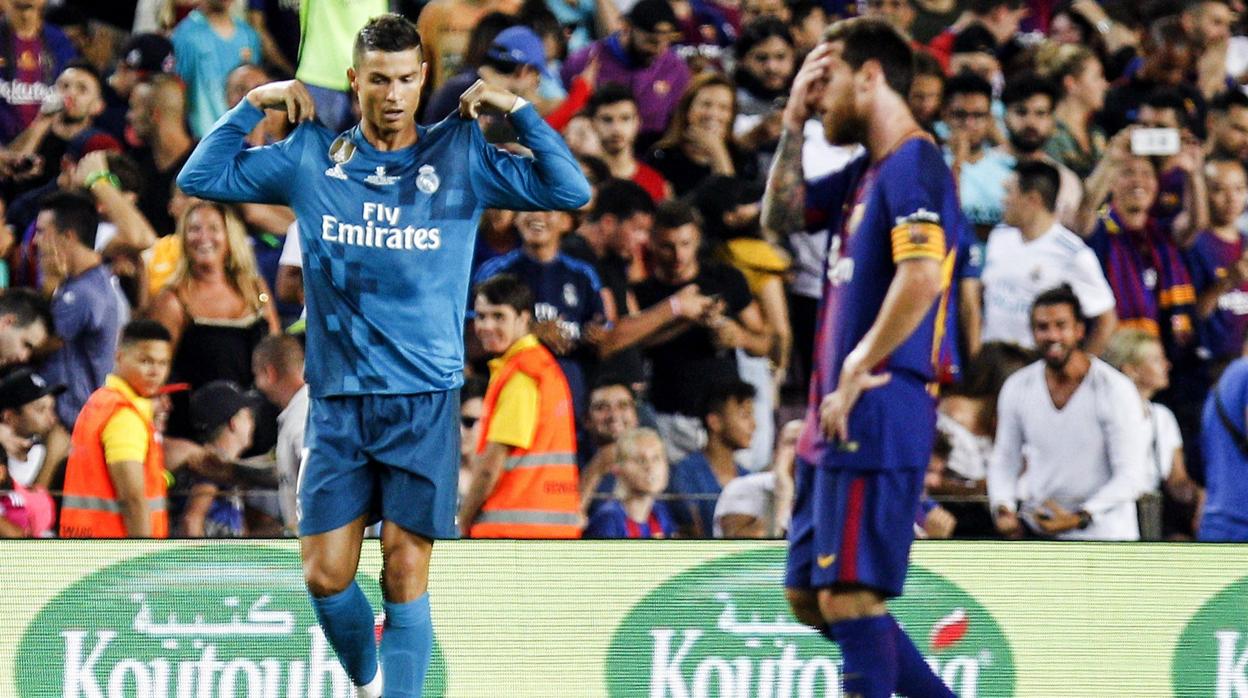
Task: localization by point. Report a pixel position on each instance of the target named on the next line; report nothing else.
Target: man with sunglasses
(640, 57)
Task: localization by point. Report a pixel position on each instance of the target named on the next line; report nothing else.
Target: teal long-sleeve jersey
(387, 236)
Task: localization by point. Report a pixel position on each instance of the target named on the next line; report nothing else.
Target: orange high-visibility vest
(90, 508)
(536, 495)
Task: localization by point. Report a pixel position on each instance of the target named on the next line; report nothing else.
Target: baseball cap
(519, 45)
(23, 386)
(647, 15)
(150, 53)
(216, 403)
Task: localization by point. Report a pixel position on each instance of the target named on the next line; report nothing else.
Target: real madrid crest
(427, 179)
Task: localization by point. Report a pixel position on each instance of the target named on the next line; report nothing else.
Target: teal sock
(869, 654)
(406, 646)
(347, 619)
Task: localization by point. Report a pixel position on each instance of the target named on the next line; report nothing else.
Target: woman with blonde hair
(216, 305)
(698, 142)
(1076, 143)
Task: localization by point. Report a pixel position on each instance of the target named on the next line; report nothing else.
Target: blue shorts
(391, 457)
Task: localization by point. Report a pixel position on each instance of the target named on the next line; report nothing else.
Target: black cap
(647, 15)
(151, 53)
(216, 403)
(22, 387)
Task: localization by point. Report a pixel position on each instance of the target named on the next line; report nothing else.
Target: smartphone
(1155, 141)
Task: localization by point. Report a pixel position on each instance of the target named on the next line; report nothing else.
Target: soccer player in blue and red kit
(387, 215)
(870, 424)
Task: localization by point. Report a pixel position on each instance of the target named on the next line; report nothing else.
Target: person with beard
(1086, 454)
(1228, 126)
(1029, 123)
(640, 57)
(35, 52)
(869, 427)
(766, 62)
(614, 116)
(157, 118)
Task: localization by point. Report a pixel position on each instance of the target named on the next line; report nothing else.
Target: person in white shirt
(278, 364)
(1064, 416)
(29, 430)
(1032, 252)
(1141, 358)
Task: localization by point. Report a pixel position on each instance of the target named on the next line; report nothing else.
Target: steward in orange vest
(524, 482)
(115, 477)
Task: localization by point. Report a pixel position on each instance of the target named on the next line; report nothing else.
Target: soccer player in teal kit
(870, 424)
(388, 214)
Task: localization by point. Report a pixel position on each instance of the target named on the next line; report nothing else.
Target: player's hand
(807, 87)
(1008, 523)
(289, 96)
(939, 523)
(481, 97)
(1053, 518)
(856, 379)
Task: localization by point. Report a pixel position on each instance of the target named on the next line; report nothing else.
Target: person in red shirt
(613, 114)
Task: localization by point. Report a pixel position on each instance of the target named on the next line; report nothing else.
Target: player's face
(206, 243)
(144, 365)
(388, 85)
(469, 429)
(1136, 186)
(498, 326)
(616, 126)
(645, 471)
(1057, 334)
(1030, 122)
(843, 123)
(612, 411)
(1228, 191)
(676, 250)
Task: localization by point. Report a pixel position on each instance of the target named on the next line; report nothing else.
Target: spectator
(1077, 142)
(1085, 454)
(1031, 253)
(276, 22)
(981, 169)
(67, 115)
(754, 10)
(36, 54)
(709, 312)
(807, 25)
(758, 505)
(1000, 17)
(640, 56)
(1168, 56)
(584, 19)
(1208, 23)
(328, 29)
(143, 57)
(88, 307)
(524, 482)
(39, 444)
(157, 117)
(274, 126)
(1029, 124)
(615, 119)
(515, 61)
(975, 52)
(447, 29)
(224, 420)
(1177, 188)
(766, 63)
(207, 45)
(927, 91)
(698, 478)
(278, 365)
(1225, 451)
(641, 475)
(1141, 358)
(612, 412)
(1219, 267)
(25, 324)
(698, 142)
(471, 404)
(1228, 126)
(25, 512)
(216, 307)
(899, 13)
(115, 478)
(569, 297)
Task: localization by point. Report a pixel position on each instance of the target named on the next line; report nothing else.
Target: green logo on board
(723, 629)
(1211, 657)
(212, 621)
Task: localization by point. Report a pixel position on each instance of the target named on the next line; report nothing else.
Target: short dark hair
(926, 64)
(608, 94)
(760, 30)
(1041, 178)
(86, 67)
(1026, 86)
(983, 7)
(1168, 98)
(474, 388)
(27, 307)
(1061, 295)
(1228, 100)
(281, 351)
(128, 173)
(621, 198)
(966, 83)
(801, 9)
(871, 39)
(720, 394)
(483, 34)
(508, 290)
(137, 331)
(597, 171)
(74, 212)
(390, 33)
(611, 380)
(674, 214)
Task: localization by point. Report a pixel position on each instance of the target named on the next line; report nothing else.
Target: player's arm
(485, 473)
(222, 169)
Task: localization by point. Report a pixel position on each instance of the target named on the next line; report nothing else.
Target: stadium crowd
(1101, 291)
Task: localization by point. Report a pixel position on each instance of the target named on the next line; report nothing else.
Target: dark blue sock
(914, 677)
(406, 646)
(347, 619)
(869, 654)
